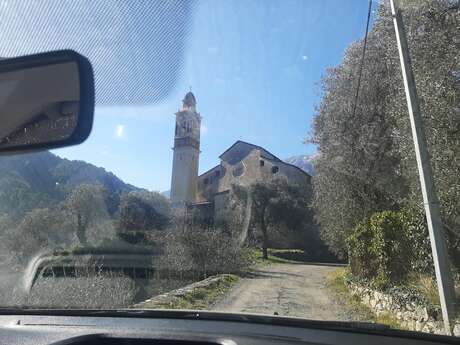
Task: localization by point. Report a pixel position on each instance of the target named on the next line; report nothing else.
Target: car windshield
(246, 156)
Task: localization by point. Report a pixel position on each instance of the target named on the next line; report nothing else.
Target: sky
(254, 67)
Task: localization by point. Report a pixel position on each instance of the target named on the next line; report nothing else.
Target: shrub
(379, 249)
(204, 252)
(417, 232)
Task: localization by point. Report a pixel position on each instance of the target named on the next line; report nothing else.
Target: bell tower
(186, 153)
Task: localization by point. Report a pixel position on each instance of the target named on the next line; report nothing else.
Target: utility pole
(438, 243)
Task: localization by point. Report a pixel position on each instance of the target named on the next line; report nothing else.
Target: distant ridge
(166, 193)
(39, 180)
(303, 162)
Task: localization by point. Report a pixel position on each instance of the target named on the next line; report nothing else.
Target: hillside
(304, 162)
(42, 179)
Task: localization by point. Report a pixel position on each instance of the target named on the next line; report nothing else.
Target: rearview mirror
(46, 101)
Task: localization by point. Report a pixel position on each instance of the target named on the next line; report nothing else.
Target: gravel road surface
(287, 289)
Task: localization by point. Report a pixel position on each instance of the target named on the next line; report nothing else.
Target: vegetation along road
(287, 289)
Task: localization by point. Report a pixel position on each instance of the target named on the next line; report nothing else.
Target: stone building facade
(242, 163)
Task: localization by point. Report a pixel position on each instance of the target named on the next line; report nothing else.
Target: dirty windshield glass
(246, 156)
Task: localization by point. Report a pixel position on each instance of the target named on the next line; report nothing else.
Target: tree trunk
(81, 230)
(263, 227)
(247, 220)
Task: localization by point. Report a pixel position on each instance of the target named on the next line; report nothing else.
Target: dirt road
(288, 289)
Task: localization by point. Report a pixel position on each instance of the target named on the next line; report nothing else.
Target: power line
(362, 58)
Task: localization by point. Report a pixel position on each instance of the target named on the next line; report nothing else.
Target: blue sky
(254, 67)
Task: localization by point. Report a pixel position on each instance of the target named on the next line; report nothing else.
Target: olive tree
(142, 212)
(86, 206)
(366, 162)
(39, 230)
(276, 205)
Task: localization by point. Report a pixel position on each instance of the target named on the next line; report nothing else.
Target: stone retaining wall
(410, 315)
(166, 298)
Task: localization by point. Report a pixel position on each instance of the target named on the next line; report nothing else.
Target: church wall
(292, 173)
(243, 172)
(208, 183)
(255, 166)
(221, 201)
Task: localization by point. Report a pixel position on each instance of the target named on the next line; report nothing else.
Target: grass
(424, 284)
(336, 282)
(428, 288)
(199, 298)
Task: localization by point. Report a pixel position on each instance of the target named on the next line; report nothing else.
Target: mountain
(43, 179)
(167, 193)
(304, 162)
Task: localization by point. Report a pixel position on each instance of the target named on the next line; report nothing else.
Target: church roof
(208, 171)
(189, 99)
(263, 151)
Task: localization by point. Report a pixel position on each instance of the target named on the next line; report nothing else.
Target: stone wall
(410, 314)
(168, 297)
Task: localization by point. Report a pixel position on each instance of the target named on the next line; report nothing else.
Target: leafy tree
(40, 229)
(277, 204)
(142, 212)
(355, 167)
(17, 197)
(203, 251)
(86, 205)
(366, 161)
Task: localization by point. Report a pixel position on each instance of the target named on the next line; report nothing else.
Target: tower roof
(189, 99)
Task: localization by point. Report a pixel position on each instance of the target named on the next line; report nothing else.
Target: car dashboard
(191, 330)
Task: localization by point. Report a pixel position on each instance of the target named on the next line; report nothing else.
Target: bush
(380, 250)
(417, 231)
(204, 252)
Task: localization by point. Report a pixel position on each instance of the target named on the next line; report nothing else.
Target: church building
(242, 163)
